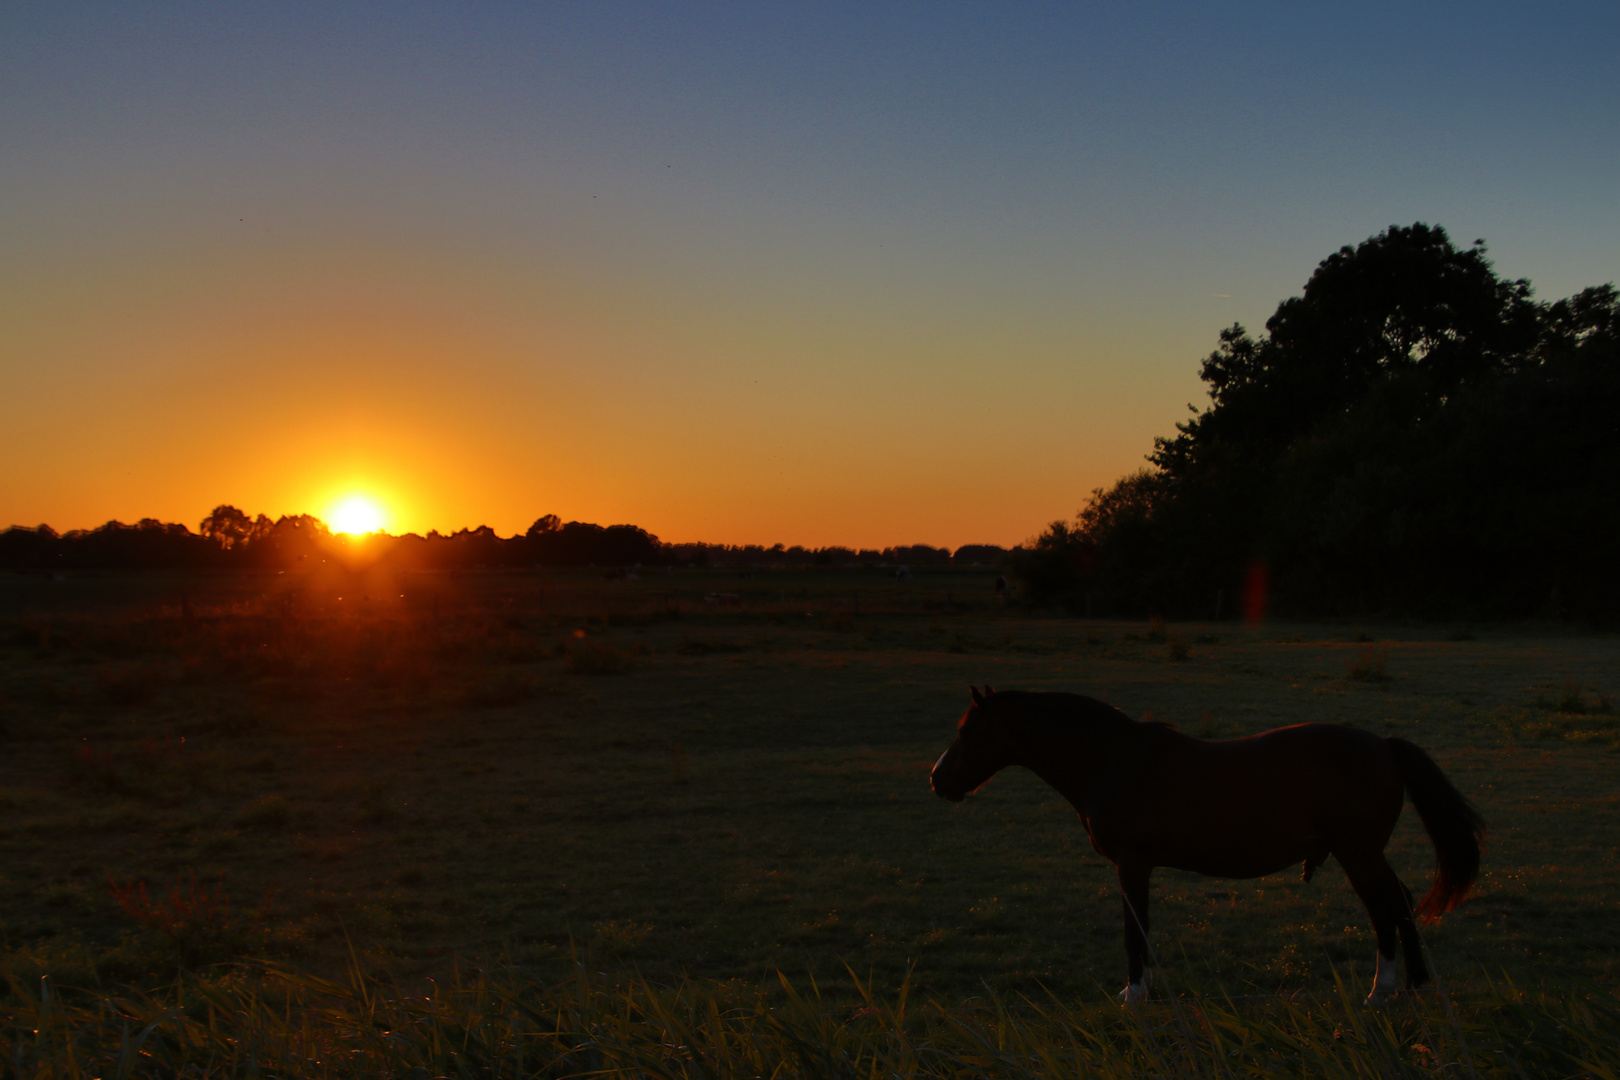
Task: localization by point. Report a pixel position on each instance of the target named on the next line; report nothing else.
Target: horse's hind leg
(1417, 971)
(1387, 903)
(1133, 884)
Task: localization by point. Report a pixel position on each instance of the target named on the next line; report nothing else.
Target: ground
(432, 770)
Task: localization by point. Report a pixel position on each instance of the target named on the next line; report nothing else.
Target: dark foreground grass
(282, 1023)
(521, 768)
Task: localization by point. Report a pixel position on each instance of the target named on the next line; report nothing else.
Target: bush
(193, 918)
(1370, 664)
(594, 658)
(708, 646)
(162, 770)
(128, 686)
(499, 692)
(270, 812)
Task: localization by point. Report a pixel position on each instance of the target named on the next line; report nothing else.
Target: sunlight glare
(356, 515)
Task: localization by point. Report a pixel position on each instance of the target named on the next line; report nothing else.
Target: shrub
(193, 918)
(162, 770)
(1370, 664)
(232, 724)
(499, 692)
(707, 646)
(270, 812)
(619, 935)
(377, 805)
(594, 658)
(1572, 701)
(127, 686)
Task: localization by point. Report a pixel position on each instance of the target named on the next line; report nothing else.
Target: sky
(860, 274)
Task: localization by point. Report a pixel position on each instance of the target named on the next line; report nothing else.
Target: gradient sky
(860, 274)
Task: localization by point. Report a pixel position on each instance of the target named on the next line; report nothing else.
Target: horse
(1150, 796)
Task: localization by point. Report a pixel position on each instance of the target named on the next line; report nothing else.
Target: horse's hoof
(1375, 1000)
(1134, 993)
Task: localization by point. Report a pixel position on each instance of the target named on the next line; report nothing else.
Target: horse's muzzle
(934, 778)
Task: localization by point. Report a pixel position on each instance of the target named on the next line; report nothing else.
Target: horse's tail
(1452, 822)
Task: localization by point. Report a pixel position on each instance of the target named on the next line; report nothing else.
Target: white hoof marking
(1384, 979)
(1137, 991)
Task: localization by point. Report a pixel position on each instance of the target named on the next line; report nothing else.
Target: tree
(1402, 306)
(1104, 555)
(1412, 433)
(1405, 319)
(227, 526)
(1584, 329)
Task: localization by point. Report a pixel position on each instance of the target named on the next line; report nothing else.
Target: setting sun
(355, 515)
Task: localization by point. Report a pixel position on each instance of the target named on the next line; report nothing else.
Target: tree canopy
(1412, 433)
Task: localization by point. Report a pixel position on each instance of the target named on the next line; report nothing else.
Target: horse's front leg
(1133, 886)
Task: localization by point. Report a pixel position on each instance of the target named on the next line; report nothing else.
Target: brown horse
(1242, 808)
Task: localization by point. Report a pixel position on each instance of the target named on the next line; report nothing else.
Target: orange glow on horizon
(356, 515)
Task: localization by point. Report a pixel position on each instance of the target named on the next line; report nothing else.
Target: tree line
(230, 539)
(1412, 435)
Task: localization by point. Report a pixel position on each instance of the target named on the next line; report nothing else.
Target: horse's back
(1328, 742)
(1246, 807)
(1313, 765)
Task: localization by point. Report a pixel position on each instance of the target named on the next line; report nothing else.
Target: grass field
(516, 768)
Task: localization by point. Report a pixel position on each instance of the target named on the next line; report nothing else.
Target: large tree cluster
(1412, 434)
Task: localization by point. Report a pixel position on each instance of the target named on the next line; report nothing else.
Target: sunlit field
(720, 775)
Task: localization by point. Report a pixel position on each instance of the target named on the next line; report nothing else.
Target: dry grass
(279, 1022)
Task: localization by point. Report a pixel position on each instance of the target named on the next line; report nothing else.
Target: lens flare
(356, 515)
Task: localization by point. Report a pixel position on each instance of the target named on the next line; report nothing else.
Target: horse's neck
(1075, 762)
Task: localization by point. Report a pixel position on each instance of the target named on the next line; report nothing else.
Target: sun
(355, 515)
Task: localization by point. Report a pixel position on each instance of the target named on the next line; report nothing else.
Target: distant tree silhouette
(917, 555)
(228, 537)
(291, 540)
(22, 547)
(984, 554)
(580, 543)
(227, 526)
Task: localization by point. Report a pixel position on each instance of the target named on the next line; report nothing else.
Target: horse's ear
(988, 689)
(977, 700)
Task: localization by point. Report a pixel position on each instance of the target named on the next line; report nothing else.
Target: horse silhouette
(1241, 808)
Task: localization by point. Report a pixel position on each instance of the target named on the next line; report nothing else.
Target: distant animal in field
(1239, 808)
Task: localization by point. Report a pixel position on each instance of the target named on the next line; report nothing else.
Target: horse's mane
(1057, 713)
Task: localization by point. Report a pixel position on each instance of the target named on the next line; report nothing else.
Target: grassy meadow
(719, 775)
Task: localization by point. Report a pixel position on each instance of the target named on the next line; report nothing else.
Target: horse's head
(981, 750)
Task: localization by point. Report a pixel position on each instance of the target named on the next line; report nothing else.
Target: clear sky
(861, 274)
